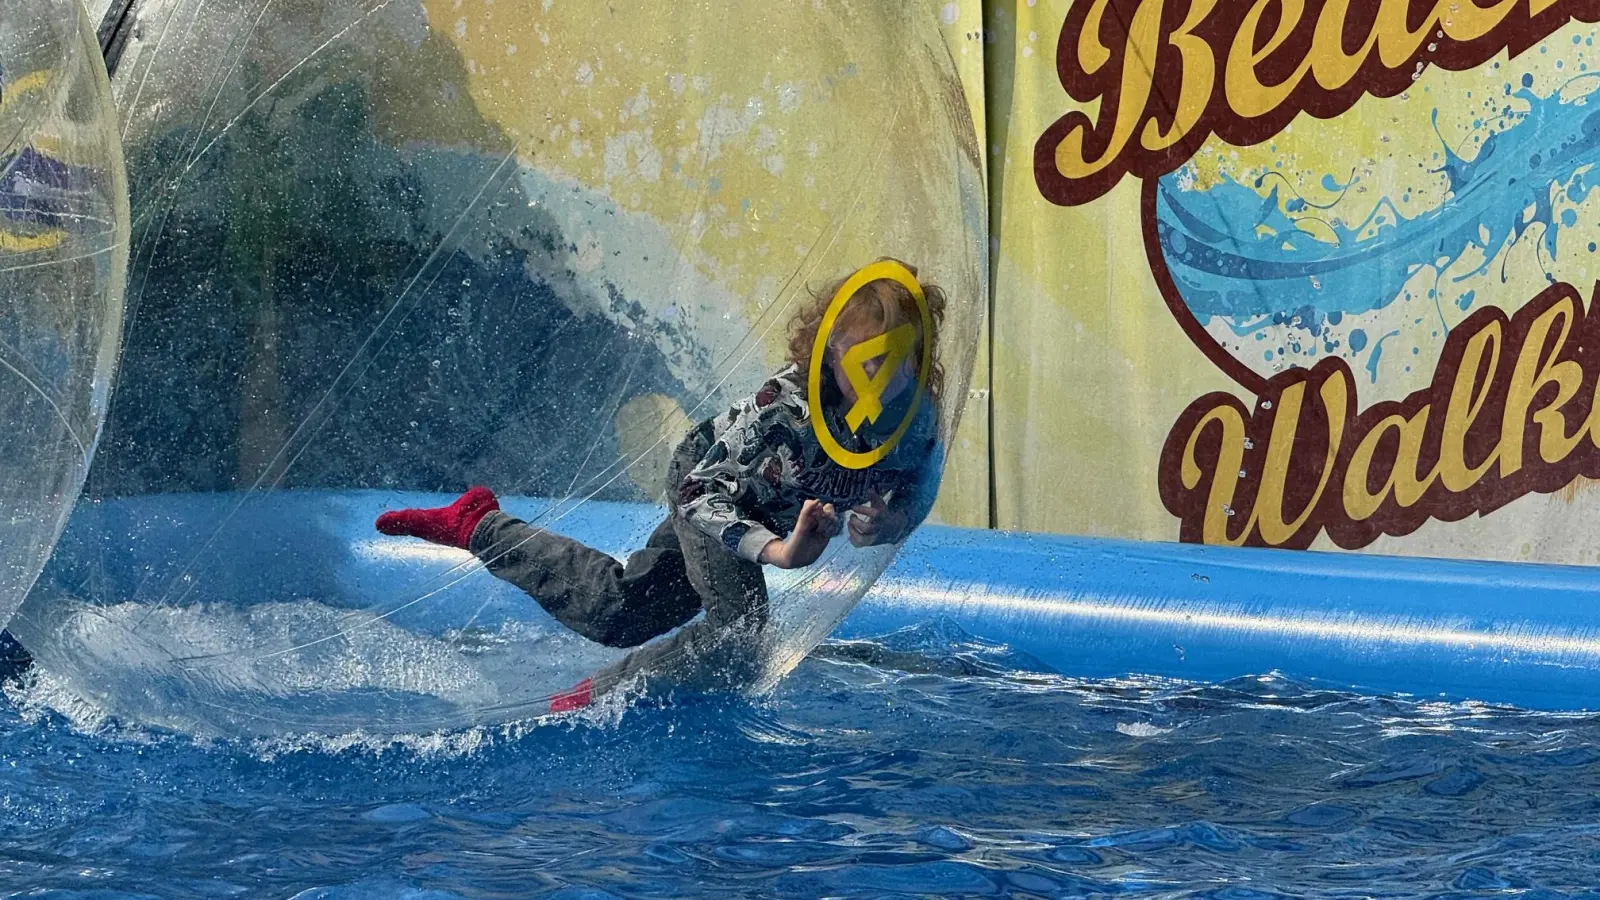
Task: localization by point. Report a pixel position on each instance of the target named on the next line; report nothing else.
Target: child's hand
(874, 523)
(815, 527)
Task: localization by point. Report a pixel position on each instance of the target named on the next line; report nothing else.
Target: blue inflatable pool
(1515, 634)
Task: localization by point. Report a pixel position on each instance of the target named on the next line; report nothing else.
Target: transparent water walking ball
(63, 253)
(387, 252)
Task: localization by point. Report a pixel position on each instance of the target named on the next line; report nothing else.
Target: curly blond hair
(877, 304)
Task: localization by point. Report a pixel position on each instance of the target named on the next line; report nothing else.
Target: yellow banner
(1297, 273)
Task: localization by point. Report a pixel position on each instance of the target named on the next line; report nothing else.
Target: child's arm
(916, 500)
(743, 467)
(890, 521)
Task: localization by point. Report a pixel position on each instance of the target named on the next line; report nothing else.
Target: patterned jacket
(763, 461)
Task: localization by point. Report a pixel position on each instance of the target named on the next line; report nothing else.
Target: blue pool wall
(1519, 634)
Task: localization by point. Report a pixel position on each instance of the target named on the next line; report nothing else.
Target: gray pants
(680, 571)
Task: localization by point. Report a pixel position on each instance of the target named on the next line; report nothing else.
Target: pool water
(921, 764)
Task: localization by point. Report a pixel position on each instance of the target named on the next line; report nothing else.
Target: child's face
(840, 343)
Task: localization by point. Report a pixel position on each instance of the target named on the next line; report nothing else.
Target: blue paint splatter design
(1377, 354)
(1242, 259)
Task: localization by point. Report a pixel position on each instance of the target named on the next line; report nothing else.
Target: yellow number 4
(895, 346)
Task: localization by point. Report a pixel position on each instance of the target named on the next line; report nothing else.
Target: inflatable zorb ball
(388, 252)
(63, 242)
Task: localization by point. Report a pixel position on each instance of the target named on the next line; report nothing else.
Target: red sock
(449, 525)
(577, 698)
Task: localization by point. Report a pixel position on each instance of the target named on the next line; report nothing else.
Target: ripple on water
(927, 765)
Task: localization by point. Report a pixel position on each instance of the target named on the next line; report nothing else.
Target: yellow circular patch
(894, 345)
